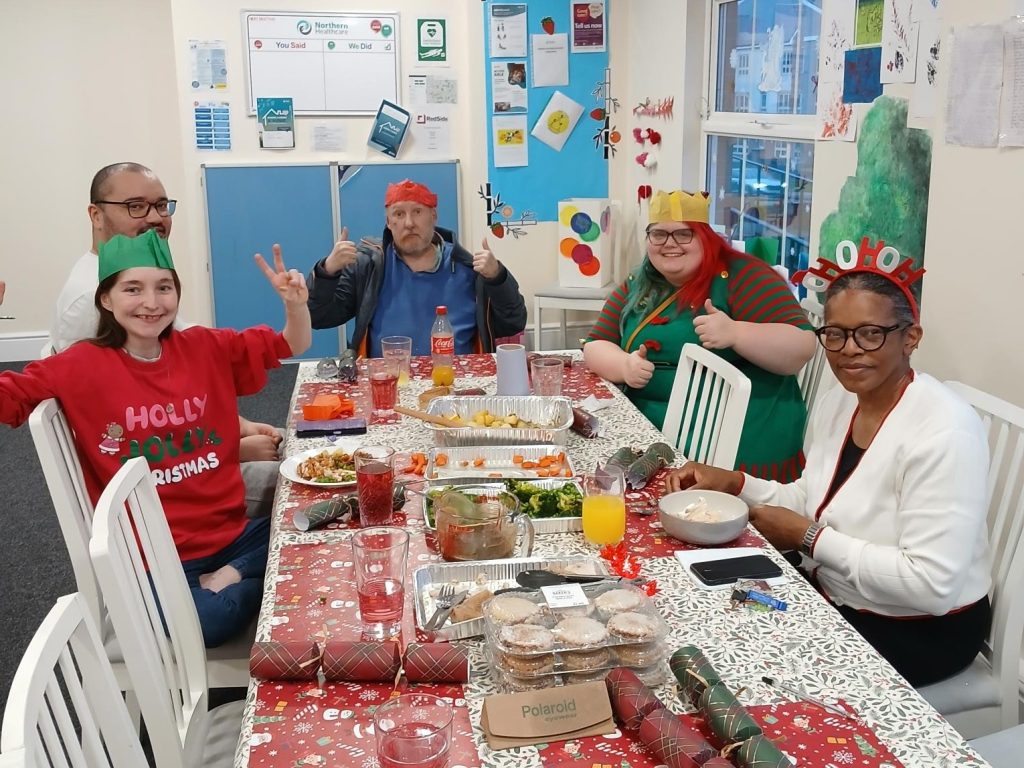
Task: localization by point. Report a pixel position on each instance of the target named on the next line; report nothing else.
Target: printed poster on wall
(212, 125)
(508, 141)
(508, 30)
(589, 28)
(276, 120)
(208, 65)
(508, 86)
(432, 41)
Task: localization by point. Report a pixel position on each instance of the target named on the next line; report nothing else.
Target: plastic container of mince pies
(532, 645)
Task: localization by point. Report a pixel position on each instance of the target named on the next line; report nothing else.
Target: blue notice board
(248, 210)
(579, 169)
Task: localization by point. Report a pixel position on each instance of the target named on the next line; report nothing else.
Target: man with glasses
(129, 199)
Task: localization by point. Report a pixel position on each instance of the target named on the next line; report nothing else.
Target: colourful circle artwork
(588, 231)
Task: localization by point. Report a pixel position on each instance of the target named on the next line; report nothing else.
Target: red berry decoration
(548, 25)
(498, 230)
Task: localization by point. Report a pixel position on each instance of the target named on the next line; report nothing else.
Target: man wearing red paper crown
(890, 512)
(692, 288)
(393, 286)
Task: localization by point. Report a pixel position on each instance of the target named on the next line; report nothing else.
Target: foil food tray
(492, 574)
(554, 413)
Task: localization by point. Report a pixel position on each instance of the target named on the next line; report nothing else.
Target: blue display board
(580, 168)
(248, 210)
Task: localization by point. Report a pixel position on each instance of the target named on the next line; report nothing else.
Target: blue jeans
(224, 614)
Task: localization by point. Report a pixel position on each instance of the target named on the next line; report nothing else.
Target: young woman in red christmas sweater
(142, 388)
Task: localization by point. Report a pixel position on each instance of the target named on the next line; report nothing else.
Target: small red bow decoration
(659, 320)
(643, 192)
(652, 345)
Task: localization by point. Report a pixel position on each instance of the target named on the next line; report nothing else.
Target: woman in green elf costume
(693, 288)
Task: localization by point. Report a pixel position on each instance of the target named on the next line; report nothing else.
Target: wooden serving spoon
(428, 417)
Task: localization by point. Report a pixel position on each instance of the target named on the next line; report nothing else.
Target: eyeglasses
(661, 236)
(139, 209)
(867, 337)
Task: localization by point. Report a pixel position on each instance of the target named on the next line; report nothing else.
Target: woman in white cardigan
(890, 511)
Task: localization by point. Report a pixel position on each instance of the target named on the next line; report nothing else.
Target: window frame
(787, 127)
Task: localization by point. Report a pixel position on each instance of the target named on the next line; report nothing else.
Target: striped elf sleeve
(606, 328)
(758, 294)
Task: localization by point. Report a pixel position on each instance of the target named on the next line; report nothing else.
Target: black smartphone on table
(714, 573)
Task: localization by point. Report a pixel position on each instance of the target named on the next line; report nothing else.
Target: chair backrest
(1004, 425)
(816, 377)
(65, 664)
(707, 407)
(55, 446)
(167, 667)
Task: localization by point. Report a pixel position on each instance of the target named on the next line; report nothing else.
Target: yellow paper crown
(679, 206)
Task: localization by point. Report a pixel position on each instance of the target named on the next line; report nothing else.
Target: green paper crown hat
(122, 252)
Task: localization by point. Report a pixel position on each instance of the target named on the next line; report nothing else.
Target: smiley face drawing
(558, 121)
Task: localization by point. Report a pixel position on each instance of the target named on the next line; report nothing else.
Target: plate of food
(322, 467)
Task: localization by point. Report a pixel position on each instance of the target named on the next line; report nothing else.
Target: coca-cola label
(442, 345)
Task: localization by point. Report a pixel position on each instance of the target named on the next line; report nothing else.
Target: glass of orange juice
(604, 506)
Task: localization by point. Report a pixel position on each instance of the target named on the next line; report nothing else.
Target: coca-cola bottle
(442, 349)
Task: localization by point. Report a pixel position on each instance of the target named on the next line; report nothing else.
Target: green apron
(772, 440)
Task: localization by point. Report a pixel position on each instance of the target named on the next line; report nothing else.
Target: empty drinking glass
(547, 376)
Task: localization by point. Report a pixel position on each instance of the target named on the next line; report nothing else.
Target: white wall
(97, 86)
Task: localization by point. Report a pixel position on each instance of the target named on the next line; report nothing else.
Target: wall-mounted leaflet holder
(389, 128)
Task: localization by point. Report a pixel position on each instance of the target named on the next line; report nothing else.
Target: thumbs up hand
(716, 330)
(484, 263)
(343, 254)
(637, 369)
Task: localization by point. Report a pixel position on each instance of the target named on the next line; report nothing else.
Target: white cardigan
(906, 532)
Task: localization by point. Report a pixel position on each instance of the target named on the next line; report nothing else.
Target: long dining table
(309, 593)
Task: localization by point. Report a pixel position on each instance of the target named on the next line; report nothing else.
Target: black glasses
(139, 209)
(867, 337)
(661, 236)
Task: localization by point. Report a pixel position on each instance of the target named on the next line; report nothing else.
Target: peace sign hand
(289, 284)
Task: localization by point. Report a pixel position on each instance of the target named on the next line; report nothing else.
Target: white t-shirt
(75, 316)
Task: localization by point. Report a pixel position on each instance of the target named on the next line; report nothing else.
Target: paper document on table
(702, 555)
(1011, 122)
(975, 82)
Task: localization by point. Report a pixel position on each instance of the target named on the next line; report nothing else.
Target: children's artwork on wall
(771, 67)
(922, 102)
(557, 121)
(899, 43)
(501, 217)
(837, 26)
(869, 22)
(861, 83)
(607, 135)
(655, 108)
(836, 120)
(887, 199)
(586, 240)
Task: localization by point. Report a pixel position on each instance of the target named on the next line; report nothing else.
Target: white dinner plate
(290, 469)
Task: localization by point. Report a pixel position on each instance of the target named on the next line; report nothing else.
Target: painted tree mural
(887, 199)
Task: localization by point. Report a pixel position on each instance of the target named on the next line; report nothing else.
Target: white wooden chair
(167, 668)
(816, 377)
(707, 408)
(228, 665)
(65, 663)
(984, 697)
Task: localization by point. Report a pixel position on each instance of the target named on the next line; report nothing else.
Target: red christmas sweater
(180, 412)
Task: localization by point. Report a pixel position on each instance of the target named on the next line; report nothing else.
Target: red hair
(717, 252)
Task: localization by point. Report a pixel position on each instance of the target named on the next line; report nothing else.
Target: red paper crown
(881, 260)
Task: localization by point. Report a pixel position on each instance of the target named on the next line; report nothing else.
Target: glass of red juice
(379, 556)
(384, 384)
(413, 730)
(375, 479)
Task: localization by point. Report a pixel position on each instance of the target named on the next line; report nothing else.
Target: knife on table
(441, 614)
